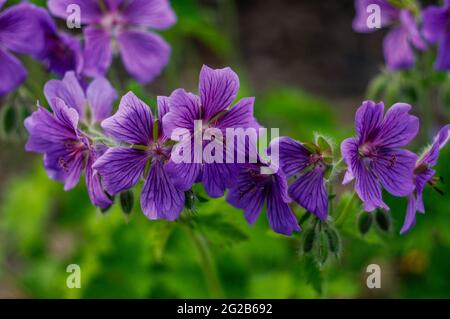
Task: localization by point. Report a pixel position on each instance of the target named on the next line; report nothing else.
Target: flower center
(159, 151)
(367, 150)
(113, 22)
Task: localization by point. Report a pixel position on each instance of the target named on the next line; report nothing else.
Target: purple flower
(252, 188)
(423, 175)
(218, 89)
(144, 154)
(309, 165)
(116, 25)
(436, 29)
(20, 32)
(62, 52)
(400, 42)
(67, 149)
(375, 156)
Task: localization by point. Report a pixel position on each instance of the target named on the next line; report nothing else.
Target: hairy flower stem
(343, 215)
(206, 262)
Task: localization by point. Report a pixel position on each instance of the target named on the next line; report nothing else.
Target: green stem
(330, 199)
(343, 215)
(206, 262)
(424, 96)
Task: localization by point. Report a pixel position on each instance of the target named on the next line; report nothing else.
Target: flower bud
(126, 201)
(383, 220)
(365, 221)
(308, 240)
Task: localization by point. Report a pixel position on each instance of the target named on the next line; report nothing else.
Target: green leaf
(158, 236)
(313, 274)
(219, 230)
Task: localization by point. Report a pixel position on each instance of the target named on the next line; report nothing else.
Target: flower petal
(239, 116)
(121, 168)
(144, 54)
(409, 22)
(183, 175)
(435, 21)
(184, 109)
(218, 176)
(89, 10)
(443, 136)
(12, 72)
(132, 123)
(97, 53)
(394, 169)
(218, 89)
(281, 217)
(160, 199)
(421, 181)
(94, 187)
(398, 127)
(246, 195)
(294, 157)
(21, 30)
(397, 50)
(69, 90)
(46, 129)
(443, 57)
(308, 190)
(156, 14)
(367, 186)
(368, 119)
(387, 11)
(410, 217)
(100, 96)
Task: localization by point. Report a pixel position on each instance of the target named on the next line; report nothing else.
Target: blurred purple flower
(436, 29)
(252, 188)
(402, 39)
(218, 89)
(67, 149)
(20, 32)
(122, 167)
(375, 155)
(62, 52)
(423, 174)
(125, 24)
(308, 189)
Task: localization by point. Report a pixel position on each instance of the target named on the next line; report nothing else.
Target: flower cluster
(412, 29)
(116, 152)
(112, 28)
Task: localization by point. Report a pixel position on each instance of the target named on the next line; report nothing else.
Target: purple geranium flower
(218, 89)
(375, 155)
(67, 149)
(423, 174)
(436, 29)
(62, 52)
(400, 41)
(252, 188)
(122, 25)
(145, 154)
(20, 32)
(308, 189)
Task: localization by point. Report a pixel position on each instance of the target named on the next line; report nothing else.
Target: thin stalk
(206, 262)
(343, 215)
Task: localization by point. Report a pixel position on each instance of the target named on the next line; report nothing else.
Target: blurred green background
(309, 72)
